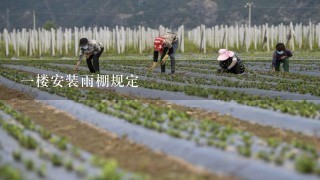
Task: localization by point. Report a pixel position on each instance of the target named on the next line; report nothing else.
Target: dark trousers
(171, 53)
(285, 63)
(93, 62)
(239, 68)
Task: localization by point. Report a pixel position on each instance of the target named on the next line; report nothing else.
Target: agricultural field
(128, 123)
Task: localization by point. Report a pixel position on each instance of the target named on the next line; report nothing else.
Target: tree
(48, 25)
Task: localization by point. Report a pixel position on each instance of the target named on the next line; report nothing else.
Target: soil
(129, 155)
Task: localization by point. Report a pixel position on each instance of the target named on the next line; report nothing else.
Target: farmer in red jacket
(165, 45)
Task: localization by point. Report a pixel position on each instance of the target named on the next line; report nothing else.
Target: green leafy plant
(28, 142)
(28, 163)
(305, 164)
(7, 172)
(42, 171)
(44, 133)
(62, 144)
(69, 165)
(109, 171)
(76, 152)
(244, 150)
(16, 155)
(56, 160)
(264, 156)
(279, 160)
(80, 170)
(272, 142)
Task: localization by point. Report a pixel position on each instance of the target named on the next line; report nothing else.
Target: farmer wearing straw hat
(165, 45)
(92, 49)
(229, 62)
(281, 55)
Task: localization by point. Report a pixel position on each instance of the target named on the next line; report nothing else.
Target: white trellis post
(268, 37)
(30, 39)
(13, 36)
(311, 35)
(123, 39)
(76, 40)
(140, 39)
(0, 38)
(318, 34)
(6, 40)
(182, 39)
(203, 40)
(117, 39)
(255, 37)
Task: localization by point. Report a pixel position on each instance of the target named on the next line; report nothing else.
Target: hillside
(153, 12)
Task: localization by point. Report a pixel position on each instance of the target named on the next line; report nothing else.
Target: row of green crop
(180, 124)
(108, 168)
(309, 65)
(211, 68)
(286, 86)
(251, 80)
(252, 76)
(302, 108)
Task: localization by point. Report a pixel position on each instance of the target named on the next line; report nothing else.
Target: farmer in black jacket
(229, 62)
(92, 49)
(281, 55)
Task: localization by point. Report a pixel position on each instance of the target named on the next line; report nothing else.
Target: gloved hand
(223, 70)
(75, 70)
(153, 66)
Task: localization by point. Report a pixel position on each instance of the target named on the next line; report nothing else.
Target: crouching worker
(229, 62)
(165, 45)
(281, 55)
(92, 49)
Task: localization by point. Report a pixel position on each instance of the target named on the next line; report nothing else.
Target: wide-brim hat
(224, 54)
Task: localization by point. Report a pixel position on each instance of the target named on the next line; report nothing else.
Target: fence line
(38, 42)
(262, 37)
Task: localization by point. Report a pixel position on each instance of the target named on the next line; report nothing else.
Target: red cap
(158, 43)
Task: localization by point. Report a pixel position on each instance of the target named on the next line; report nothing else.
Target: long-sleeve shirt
(94, 47)
(286, 53)
(233, 64)
(229, 63)
(169, 38)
